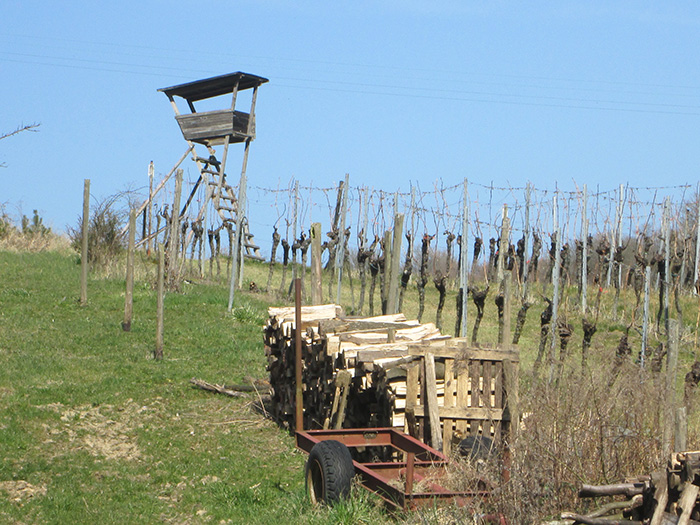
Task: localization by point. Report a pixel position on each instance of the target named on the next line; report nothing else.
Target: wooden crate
(477, 395)
(212, 127)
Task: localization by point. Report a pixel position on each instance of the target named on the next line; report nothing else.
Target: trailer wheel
(329, 472)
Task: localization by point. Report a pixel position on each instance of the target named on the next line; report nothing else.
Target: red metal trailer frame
(421, 464)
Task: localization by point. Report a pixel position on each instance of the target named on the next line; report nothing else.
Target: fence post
(645, 321)
(555, 285)
(464, 259)
(340, 248)
(175, 230)
(158, 352)
(128, 296)
(526, 245)
(242, 224)
(84, 249)
(697, 239)
(583, 292)
(507, 280)
(393, 283)
(151, 173)
(316, 283)
(670, 397)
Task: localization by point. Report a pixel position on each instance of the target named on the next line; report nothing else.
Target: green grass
(105, 434)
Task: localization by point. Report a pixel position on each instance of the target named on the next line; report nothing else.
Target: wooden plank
(498, 397)
(462, 398)
(368, 356)
(213, 125)
(468, 413)
(475, 399)
(316, 280)
(440, 349)
(486, 389)
(411, 398)
(512, 400)
(450, 398)
(431, 401)
(687, 502)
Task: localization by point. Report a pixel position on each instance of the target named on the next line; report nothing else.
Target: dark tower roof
(214, 86)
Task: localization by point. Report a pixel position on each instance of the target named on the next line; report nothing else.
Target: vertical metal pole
(84, 249)
(299, 401)
(555, 283)
(464, 258)
(645, 322)
(340, 253)
(584, 252)
(243, 224)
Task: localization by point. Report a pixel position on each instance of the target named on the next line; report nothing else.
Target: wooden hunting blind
(224, 126)
(216, 130)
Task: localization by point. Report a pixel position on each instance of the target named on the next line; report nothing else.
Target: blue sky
(390, 92)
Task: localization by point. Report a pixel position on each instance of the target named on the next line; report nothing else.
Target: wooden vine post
(504, 333)
(316, 283)
(393, 282)
(670, 394)
(149, 230)
(174, 230)
(464, 260)
(84, 248)
(583, 284)
(158, 352)
(697, 237)
(340, 247)
(555, 284)
(526, 238)
(129, 294)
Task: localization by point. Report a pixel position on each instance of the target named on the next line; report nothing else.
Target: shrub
(35, 226)
(105, 240)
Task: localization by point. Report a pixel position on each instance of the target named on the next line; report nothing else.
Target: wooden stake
(316, 268)
(393, 284)
(151, 173)
(340, 248)
(175, 230)
(464, 259)
(583, 291)
(432, 402)
(128, 296)
(84, 249)
(670, 395)
(158, 352)
(555, 283)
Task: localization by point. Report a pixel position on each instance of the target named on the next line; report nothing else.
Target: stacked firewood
(387, 371)
(664, 498)
(352, 374)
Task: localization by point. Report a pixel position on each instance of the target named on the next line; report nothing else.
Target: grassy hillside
(95, 431)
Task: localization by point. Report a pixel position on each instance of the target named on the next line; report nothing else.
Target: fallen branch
(219, 389)
(597, 521)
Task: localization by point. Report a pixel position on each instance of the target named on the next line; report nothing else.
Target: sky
(558, 94)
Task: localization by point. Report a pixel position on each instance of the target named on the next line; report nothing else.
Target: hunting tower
(218, 129)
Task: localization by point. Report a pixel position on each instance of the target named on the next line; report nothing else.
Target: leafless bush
(587, 429)
(105, 240)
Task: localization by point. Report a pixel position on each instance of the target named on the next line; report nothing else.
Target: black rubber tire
(476, 447)
(329, 472)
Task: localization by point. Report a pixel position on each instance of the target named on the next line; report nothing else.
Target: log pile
(664, 498)
(387, 371)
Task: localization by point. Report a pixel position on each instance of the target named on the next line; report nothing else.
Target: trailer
(410, 480)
